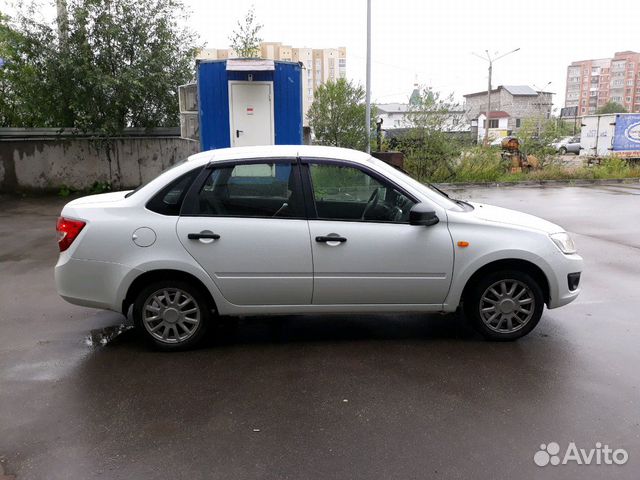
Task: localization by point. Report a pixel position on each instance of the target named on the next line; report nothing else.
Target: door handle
(330, 238)
(238, 132)
(198, 236)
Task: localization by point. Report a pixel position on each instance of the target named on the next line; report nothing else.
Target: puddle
(102, 336)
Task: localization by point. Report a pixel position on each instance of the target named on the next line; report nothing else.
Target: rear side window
(269, 189)
(168, 201)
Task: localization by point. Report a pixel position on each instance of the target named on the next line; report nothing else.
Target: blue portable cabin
(249, 102)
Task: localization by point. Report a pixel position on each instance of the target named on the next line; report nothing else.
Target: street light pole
(486, 118)
(367, 115)
(490, 60)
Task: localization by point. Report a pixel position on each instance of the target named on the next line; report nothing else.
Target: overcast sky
(434, 39)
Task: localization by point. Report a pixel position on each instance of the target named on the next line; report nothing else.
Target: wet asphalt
(325, 397)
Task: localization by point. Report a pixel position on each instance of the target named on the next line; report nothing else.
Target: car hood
(513, 217)
(99, 198)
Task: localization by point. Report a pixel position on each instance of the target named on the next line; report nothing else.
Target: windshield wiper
(431, 185)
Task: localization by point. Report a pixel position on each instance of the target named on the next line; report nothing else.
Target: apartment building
(320, 65)
(593, 83)
(214, 54)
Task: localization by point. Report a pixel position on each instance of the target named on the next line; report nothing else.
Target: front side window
(268, 189)
(348, 193)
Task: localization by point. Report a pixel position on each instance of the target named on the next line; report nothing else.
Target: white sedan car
(305, 229)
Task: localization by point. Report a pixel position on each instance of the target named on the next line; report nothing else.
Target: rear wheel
(172, 314)
(562, 151)
(504, 305)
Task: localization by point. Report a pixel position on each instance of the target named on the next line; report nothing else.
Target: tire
(562, 150)
(184, 313)
(512, 316)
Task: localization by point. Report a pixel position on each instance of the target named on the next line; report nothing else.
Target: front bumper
(559, 292)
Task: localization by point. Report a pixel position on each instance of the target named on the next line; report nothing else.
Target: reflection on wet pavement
(102, 336)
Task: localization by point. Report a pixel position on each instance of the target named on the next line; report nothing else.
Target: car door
(574, 145)
(244, 223)
(364, 250)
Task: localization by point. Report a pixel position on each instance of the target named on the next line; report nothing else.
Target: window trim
(190, 201)
(307, 184)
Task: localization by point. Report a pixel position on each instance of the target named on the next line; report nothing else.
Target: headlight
(564, 242)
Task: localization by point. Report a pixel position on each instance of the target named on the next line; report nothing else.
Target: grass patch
(479, 165)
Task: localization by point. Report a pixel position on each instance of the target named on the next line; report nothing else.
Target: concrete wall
(46, 163)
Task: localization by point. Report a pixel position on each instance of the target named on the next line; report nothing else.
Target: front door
(251, 113)
(245, 226)
(376, 257)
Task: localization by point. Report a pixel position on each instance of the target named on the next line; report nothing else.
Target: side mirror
(422, 214)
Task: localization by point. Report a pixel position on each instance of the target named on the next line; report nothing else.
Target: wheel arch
(510, 264)
(163, 274)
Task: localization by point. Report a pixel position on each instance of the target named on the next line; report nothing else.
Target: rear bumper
(90, 283)
(559, 292)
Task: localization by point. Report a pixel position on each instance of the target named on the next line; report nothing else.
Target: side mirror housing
(422, 214)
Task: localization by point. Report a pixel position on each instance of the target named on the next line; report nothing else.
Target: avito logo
(550, 454)
(632, 132)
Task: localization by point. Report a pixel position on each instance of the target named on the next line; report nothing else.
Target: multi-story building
(319, 65)
(511, 102)
(214, 54)
(593, 83)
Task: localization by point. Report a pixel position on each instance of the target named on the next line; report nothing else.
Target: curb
(539, 183)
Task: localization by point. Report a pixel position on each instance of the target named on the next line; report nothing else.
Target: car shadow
(292, 329)
(340, 328)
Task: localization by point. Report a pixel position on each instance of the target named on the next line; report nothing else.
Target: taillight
(68, 230)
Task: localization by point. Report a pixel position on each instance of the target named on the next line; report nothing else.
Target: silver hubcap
(507, 306)
(171, 315)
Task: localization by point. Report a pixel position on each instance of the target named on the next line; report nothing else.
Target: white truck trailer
(611, 134)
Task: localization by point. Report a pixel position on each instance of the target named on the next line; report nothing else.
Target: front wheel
(172, 314)
(504, 305)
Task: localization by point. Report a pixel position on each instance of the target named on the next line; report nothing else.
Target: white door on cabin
(251, 115)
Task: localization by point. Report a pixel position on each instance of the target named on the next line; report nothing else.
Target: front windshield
(443, 199)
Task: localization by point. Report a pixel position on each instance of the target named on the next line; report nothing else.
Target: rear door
(244, 223)
(364, 250)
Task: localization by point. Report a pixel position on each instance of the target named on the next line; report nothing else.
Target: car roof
(271, 151)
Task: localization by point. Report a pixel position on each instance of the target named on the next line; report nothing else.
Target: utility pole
(540, 91)
(490, 60)
(367, 115)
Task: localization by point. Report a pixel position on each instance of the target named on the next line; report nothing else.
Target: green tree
(337, 115)
(245, 41)
(116, 64)
(431, 146)
(27, 72)
(611, 107)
